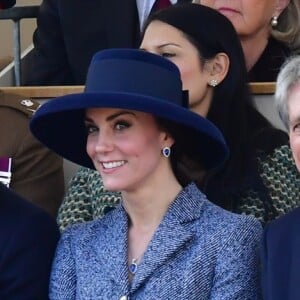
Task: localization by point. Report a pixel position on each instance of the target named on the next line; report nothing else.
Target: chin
(113, 186)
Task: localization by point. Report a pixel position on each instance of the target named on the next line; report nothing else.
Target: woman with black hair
(260, 177)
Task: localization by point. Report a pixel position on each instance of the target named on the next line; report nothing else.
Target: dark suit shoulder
(21, 104)
(287, 223)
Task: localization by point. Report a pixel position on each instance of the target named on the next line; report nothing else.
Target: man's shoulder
(284, 230)
(289, 221)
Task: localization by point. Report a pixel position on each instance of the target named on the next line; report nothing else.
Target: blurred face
(249, 17)
(125, 147)
(294, 116)
(169, 42)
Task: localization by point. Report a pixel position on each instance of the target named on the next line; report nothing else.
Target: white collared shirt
(144, 7)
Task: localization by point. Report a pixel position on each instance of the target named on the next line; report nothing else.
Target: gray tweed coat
(199, 251)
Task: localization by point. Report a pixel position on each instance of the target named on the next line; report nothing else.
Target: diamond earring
(274, 21)
(213, 82)
(166, 151)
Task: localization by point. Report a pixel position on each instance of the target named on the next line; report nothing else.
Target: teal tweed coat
(199, 251)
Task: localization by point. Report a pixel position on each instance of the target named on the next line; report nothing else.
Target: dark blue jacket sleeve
(281, 259)
(26, 258)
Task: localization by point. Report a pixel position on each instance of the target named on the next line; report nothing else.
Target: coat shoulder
(213, 215)
(286, 224)
(18, 103)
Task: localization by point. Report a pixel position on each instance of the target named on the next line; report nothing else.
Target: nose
(104, 143)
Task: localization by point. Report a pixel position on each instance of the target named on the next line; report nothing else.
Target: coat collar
(172, 234)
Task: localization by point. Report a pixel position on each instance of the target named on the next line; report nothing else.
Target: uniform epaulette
(17, 102)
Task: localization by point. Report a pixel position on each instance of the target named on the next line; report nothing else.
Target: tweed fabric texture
(87, 199)
(282, 182)
(199, 251)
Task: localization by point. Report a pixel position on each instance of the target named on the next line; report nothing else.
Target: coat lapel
(174, 232)
(165, 244)
(115, 239)
(172, 235)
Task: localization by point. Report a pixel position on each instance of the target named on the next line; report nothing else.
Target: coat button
(124, 298)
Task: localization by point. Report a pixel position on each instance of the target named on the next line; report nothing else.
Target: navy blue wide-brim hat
(126, 79)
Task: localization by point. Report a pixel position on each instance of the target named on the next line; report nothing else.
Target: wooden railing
(46, 92)
(262, 88)
(42, 92)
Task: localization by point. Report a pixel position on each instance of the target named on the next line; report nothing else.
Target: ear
(281, 6)
(167, 139)
(219, 67)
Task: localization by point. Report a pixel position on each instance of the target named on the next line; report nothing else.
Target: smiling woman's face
(125, 147)
(249, 17)
(165, 40)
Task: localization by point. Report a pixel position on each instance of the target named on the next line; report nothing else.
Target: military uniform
(37, 172)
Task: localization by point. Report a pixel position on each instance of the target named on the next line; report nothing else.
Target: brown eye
(167, 54)
(90, 129)
(121, 125)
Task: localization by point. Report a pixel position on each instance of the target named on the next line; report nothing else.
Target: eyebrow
(169, 44)
(164, 45)
(123, 112)
(113, 116)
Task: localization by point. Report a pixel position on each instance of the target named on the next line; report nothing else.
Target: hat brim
(59, 124)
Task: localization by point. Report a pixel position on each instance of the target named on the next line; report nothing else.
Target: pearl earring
(274, 21)
(213, 82)
(166, 151)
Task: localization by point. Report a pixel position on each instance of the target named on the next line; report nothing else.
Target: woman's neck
(146, 209)
(147, 206)
(253, 48)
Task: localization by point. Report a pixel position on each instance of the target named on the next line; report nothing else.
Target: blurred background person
(281, 253)
(269, 32)
(69, 33)
(36, 172)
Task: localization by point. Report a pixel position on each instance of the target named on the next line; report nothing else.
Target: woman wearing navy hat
(165, 240)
